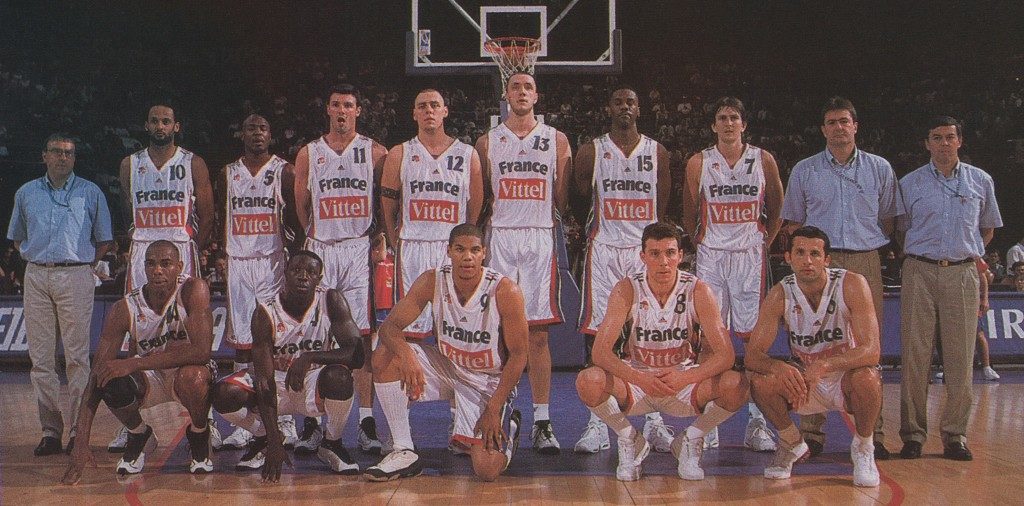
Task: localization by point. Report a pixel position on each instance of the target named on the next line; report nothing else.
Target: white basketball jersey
(435, 191)
(161, 197)
(659, 336)
(523, 173)
(293, 337)
(153, 331)
(341, 189)
(731, 201)
(625, 191)
(821, 332)
(469, 335)
(254, 205)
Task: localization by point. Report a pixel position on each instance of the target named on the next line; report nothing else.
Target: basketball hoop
(513, 54)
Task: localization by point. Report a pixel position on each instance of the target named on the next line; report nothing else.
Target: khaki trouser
(58, 305)
(943, 299)
(869, 265)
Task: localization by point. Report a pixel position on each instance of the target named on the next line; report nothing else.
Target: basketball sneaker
(120, 440)
(631, 457)
(594, 438)
(785, 456)
(312, 436)
(397, 464)
(688, 452)
(658, 434)
(711, 439)
(368, 441)
(199, 446)
(758, 437)
(989, 373)
(452, 447)
(216, 441)
(332, 453)
(236, 440)
(865, 472)
(254, 455)
(135, 450)
(543, 437)
(287, 425)
(514, 423)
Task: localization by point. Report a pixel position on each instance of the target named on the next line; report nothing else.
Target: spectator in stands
(1015, 253)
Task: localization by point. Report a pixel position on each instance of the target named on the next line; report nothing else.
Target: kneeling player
(833, 335)
(482, 351)
(170, 322)
(305, 347)
(663, 308)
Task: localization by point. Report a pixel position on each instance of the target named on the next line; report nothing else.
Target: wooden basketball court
(994, 477)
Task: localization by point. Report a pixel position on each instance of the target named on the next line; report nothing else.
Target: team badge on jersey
(503, 139)
(415, 158)
(607, 155)
(280, 327)
(321, 160)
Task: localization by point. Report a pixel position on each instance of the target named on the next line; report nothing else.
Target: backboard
(576, 36)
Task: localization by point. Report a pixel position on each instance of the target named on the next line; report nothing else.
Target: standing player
(479, 359)
(170, 325)
(525, 167)
(833, 335)
(336, 177)
(163, 182)
(670, 315)
(431, 183)
(305, 345)
(627, 175)
(731, 209)
(255, 186)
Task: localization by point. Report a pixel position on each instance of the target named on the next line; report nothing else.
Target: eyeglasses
(70, 153)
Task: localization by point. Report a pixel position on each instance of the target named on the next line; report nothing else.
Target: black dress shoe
(911, 450)
(49, 445)
(957, 451)
(881, 452)
(815, 447)
(70, 446)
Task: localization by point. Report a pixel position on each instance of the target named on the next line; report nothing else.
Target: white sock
(395, 405)
(365, 413)
(337, 416)
(755, 412)
(540, 412)
(610, 414)
(864, 442)
(790, 435)
(241, 366)
(712, 416)
(248, 420)
(655, 417)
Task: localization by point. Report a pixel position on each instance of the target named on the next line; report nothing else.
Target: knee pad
(335, 383)
(120, 392)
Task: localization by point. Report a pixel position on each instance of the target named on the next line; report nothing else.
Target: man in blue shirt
(951, 215)
(853, 196)
(61, 226)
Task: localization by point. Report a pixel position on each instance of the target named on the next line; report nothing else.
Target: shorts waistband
(60, 264)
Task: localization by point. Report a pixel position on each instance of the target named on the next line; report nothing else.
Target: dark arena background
(91, 69)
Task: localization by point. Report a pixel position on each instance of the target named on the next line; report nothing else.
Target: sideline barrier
(1004, 327)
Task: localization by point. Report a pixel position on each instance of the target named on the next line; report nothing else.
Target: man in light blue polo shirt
(853, 196)
(61, 226)
(951, 215)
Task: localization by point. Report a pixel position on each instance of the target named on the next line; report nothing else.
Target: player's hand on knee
(275, 457)
(412, 379)
(813, 374)
(792, 382)
(675, 379)
(295, 379)
(653, 385)
(112, 369)
(488, 428)
(80, 456)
